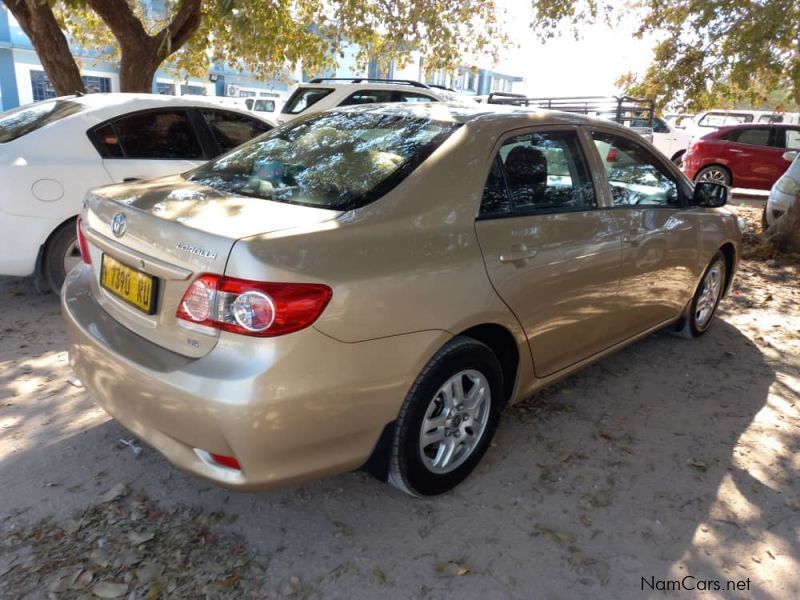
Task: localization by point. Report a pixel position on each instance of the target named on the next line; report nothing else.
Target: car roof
(726, 128)
(488, 116)
(130, 102)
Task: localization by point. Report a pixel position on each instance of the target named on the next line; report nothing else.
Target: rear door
(149, 144)
(751, 153)
(660, 242)
(551, 252)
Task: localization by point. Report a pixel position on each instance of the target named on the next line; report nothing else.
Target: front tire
(61, 255)
(448, 419)
(714, 174)
(703, 307)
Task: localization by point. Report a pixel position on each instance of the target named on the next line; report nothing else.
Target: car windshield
(340, 160)
(22, 121)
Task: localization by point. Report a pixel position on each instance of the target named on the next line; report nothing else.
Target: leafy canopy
(266, 37)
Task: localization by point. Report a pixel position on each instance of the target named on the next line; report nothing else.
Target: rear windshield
(22, 121)
(339, 161)
(304, 98)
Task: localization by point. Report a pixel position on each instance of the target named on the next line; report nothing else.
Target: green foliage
(720, 53)
(269, 37)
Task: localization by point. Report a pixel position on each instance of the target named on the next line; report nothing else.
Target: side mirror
(709, 195)
(790, 155)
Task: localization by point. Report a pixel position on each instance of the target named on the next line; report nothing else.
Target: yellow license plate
(134, 287)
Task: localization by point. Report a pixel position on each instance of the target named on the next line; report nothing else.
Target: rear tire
(703, 307)
(448, 419)
(60, 255)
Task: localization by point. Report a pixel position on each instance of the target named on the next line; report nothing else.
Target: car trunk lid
(172, 230)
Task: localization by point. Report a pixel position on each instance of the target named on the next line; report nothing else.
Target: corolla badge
(119, 223)
(196, 251)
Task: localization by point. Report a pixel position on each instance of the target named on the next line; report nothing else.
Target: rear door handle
(519, 253)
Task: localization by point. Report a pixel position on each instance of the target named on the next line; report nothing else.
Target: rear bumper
(290, 409)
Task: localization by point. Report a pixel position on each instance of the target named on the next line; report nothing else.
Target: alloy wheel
(455, 421)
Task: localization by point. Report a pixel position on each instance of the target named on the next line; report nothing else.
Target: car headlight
(787, 185)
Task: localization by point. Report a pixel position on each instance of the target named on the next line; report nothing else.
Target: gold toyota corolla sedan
(370, 287)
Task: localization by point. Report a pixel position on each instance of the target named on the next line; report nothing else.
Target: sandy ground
(671, 458)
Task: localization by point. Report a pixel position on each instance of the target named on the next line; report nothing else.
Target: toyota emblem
(119, 223)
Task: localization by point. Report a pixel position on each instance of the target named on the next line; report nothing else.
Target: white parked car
(672, 141)
(784, 192)
(52, 152)
(710, 120)
(321, 94)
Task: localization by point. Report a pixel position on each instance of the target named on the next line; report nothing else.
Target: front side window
(304, 98)
(158, 134)
(792, 139)
(231, 129)
(544, 171)
(340, 160)
(634, 174)
(21, 121)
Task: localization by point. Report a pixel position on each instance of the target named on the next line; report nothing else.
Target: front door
(550, 252)
(659, 239)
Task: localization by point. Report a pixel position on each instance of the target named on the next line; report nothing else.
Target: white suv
(324, 93)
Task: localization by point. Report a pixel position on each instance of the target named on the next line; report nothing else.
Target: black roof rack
(370, 80)
(626, 110)
(441, 87)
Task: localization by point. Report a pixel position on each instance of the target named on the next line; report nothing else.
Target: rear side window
(156, 134)
(26, 119)
(231, 129)
(543, 171)
(368, 97)
(495, 200)
(410, 97)
(265, 106)
(304, 98)
(754, 137)
(722, 119)
(340, 160)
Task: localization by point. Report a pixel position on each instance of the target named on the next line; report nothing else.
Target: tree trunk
(142, 53)
(785, 232)
(136, 72)
(37, 20)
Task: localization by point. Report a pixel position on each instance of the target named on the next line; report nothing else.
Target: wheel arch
(39, 269)
(719, 165)
(729, 252)
(500, 341)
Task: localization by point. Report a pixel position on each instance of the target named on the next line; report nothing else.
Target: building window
(43, 88)
(194, 90)
(165, 89)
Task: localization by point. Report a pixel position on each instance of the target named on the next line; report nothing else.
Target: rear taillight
(253, 307)
(612, 156)
(83, 246)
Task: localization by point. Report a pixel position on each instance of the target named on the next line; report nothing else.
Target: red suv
(742, 156)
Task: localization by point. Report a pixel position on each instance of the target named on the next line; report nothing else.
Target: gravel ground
(670, 458)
